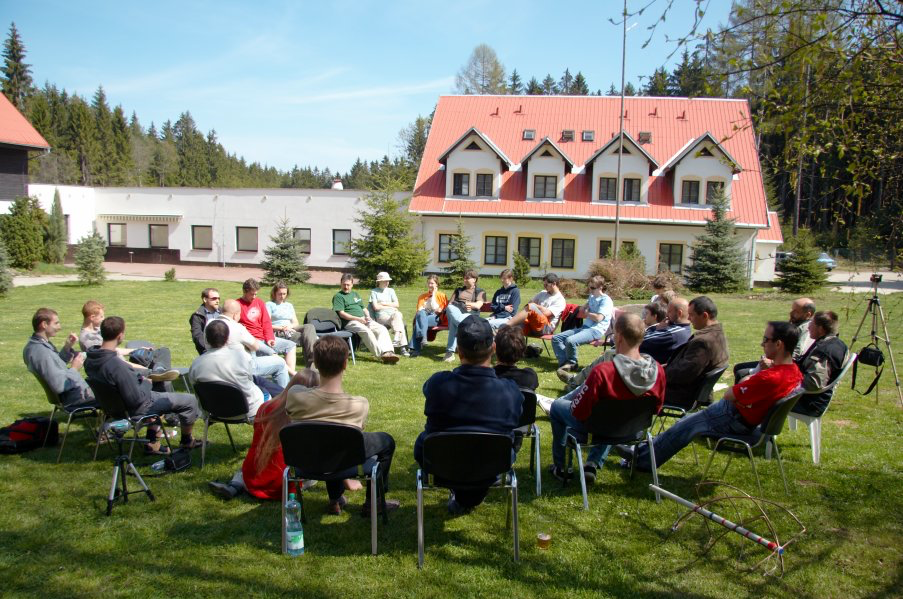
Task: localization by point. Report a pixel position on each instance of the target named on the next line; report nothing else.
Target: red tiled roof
(773, 232)
(673, 122)
(15, 129)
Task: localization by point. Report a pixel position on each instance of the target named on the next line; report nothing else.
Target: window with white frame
(689, 192)
(303, 237)
(461, 184)
(484, 185)
(341, 238)
(608, 189)
(631, 190)
(495, 250)
(116, 234)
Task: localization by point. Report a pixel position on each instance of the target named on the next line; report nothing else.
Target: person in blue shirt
(597, 317)
(505, 301)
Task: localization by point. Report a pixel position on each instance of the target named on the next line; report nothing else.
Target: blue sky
(321, 83)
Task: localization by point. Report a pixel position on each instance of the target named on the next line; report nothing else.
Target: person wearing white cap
(384, 307)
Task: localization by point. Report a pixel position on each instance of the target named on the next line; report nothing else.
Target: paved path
(846, 281)
(124, 271)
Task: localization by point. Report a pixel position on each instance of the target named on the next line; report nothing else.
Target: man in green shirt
(353, 312)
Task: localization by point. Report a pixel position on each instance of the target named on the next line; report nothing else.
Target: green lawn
(56, 541)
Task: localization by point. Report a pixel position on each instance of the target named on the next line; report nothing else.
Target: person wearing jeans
(598, 311)
(430, 306)
(465, 301)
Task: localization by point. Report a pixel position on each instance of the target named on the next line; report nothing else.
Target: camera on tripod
(876, 278)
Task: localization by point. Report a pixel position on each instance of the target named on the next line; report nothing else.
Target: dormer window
(529, 134)
(705, 152)
(589, 135)
(547, 153)
(567, 135)
(473, 146)
(625, 149)
(461, 184)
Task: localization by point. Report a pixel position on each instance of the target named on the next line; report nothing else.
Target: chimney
(337, 184)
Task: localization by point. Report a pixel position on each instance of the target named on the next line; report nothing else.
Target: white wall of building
(586, 236)
(633, 166)
(472, 162)
(702, 169)
(764, 260)
(320, 210)
(548, 166)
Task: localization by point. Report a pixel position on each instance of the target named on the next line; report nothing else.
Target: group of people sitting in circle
(661, 354)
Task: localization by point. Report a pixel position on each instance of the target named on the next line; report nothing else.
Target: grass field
(55, 540)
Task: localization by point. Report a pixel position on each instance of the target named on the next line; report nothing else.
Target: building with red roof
(538, 174)
(17, 138)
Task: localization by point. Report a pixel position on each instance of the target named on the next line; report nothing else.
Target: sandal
(194, 444)
(160, 450)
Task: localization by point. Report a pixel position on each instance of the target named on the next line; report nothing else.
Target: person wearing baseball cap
(470, 398)
(384, 307)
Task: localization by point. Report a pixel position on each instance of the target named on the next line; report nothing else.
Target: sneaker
(223, 490)
(449, 356)
(389, 358)
(545, 403)
(564, 376)
(414, 353)
(560, 473)
(335, 507)
(568, 367)
(589, 473)
(308, 484)
(391, 506)
(405, 352)
(625, 451)
(455, 508)
(166, 375)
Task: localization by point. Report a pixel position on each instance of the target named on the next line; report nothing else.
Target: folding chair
(326, 451)
(224, 403)
(703, 391)
(614, 422)
(813, 423)
(466, 461)
(114, 408)
(527, 428)
(74, 412)
(327, 322)
(763, 436)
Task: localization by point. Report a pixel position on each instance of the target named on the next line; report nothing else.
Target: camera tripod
(874, 310)
(122, 467)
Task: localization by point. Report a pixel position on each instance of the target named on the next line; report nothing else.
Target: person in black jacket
(198, 320)
(510, 347)
(104, 364)
(820, 364)
(470, 398)
(505, 301)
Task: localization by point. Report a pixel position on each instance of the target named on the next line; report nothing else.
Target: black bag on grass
(27, 434)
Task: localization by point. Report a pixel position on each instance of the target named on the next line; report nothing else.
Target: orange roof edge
(15, 130)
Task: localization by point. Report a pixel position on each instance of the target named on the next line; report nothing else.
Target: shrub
(284, 259)
(570, 288)
(800, 272)
(631, 253)
(89, 259)
(388, 242)
(461, 250)
(673, 280)
(170, 275)
(621, 276)
(6, 279)
(23, 233)
(521, 269)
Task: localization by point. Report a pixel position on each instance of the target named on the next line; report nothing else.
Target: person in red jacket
(628, 375)
(256, 318)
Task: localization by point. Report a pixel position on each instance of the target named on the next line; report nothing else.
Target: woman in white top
(384, 307)
(286, 325)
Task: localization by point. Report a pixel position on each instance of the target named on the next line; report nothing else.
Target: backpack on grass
(27, 434)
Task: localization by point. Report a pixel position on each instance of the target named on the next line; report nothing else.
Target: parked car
(827, 261)
(779, 258)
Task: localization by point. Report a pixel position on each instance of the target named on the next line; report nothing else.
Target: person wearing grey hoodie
(627, 375)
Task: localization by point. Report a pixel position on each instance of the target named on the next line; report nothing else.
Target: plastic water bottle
(159, 466)
(294, 532)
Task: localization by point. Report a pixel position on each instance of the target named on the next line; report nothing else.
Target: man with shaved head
(239, 337)
(662, 340)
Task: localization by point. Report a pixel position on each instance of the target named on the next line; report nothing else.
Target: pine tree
(22, 230)
(533, 87)
(104, 163)
(801, 272)
(483, 73)
(388, 242)
(123, 162)
(413, 140)
(81, 135)
(629, 89)
(17, 84)
(460, 251)
(55, 240)
(566, 83)
(515, 85)
(580, 87)
(612, 91)
(717, 263)
(548, 86)
(89, 256)
(6, 277)
(658, 83)
(284, 258)
(521, 269)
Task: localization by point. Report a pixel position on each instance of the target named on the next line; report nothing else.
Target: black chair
(114, 409)
(84, 413)
(224, 403)
(763, 436)
(327, 322)
(466, 461)
(326, 451)
(703, 391)
(527, 428)
(614, 422)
